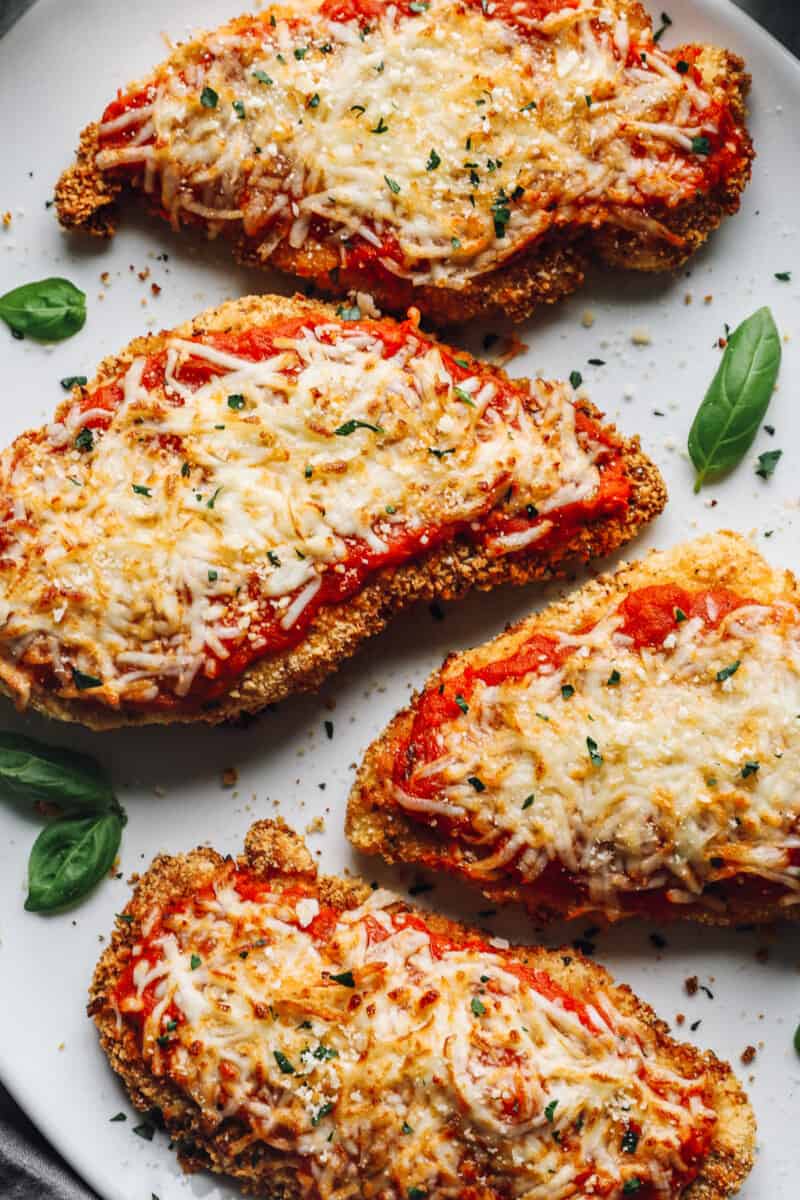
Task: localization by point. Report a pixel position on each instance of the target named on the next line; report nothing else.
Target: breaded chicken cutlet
(629, 750)
(468, 159)
(230, 508)
(311, 1037)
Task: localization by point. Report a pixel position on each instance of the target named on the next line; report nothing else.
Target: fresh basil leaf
(50, 309)
(735, 403)
(69, 857)
(33, 771)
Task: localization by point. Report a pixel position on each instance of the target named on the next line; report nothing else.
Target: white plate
(58, 67)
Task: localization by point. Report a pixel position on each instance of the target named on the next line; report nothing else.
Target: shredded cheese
(337, 129)
(146, 546)
(660, 768)
(398, 1067)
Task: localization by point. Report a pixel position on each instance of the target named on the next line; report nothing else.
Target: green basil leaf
(33, 771)
(50, 309)
(69, 857)
(728, 418)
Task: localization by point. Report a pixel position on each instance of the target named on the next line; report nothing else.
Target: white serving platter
(58, 67)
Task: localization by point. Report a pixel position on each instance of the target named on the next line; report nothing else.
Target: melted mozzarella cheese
(451, 134)
(395, 1067)
(149, 556)
(655, 772)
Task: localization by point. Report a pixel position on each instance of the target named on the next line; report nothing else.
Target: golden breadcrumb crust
(539, 273)
(273, 851)
(337, 630)
(375, 823)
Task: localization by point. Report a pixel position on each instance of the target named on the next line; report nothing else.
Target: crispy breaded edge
(543, 273)
(273, 850)
(338, 630)
(375, 823)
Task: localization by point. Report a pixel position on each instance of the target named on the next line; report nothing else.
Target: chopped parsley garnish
(213, 499)
(527, 802)
(630, 1140)
(236, 401)
(390, 509)
(186, 470)
(209, 98)
(301, 52)
(323, 1052)
(529, 107)
(238, 108)
(381, 127)
(140, 490)
(750, 768)
(433, 161)
(273, 558)
(392, 184)
(455, 243)
(631, 1186)
(783, 276)
(461, 702)
(477, 1006)
(419, 6)
(576, 379)
(354, 424)
(550, 1111)
(314, 101)
(329, 730)
(613, 678)
(701, 145)
(323, 1111)
(84, 682)
(194, 961)
(476, 783)
(263, 77)
(464, 397)
(353, 313)
(681, 66)
(767, 462)
(680, 615)
(567, 690)
(72, 381)
(85, 439)
(357, 108)
(309, 471)
(145, 1130)
(406, 1128)
(162, 1040)
(588, 100)
(596, 362)
(416, 1193)
(594, 754)
(120, 1116)
(283, 1062)
(501, 214)
(440, 453)
(666, 21)
(345, 978)
(212, 576)
(726, 672)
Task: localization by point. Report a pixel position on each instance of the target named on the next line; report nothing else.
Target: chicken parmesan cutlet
(467, 158)
(313, 1037)
(228, 509)
(633, 749)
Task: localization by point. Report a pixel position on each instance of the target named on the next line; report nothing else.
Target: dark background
(29, 1170)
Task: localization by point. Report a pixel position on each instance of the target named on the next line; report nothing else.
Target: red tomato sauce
(266, 634)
